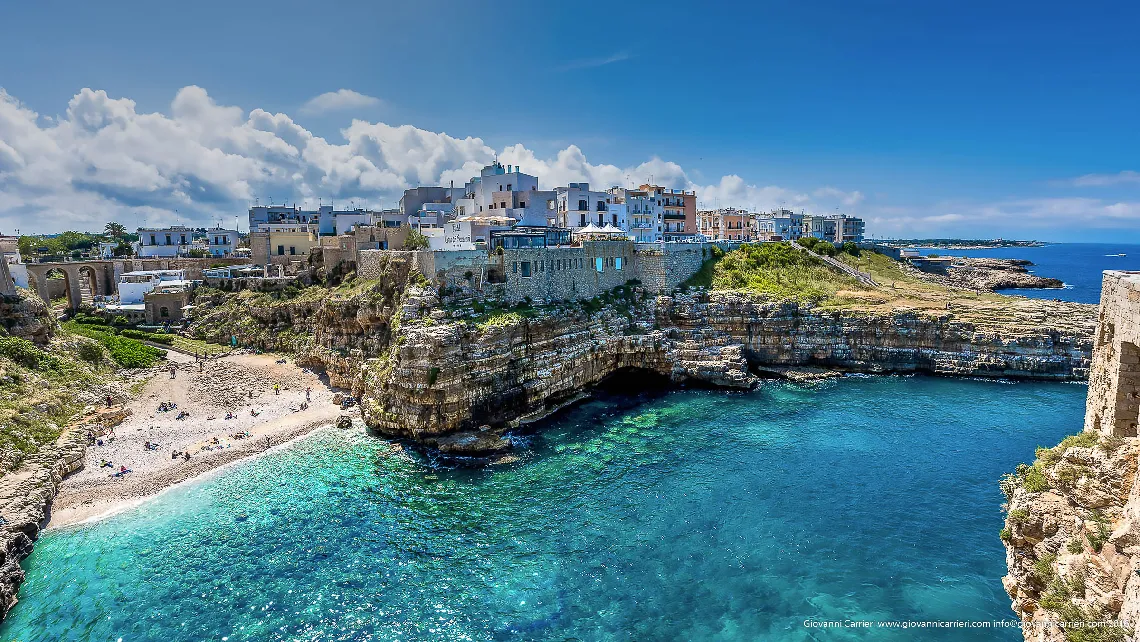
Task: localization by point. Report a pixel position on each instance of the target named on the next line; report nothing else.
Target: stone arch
(48, 289)
(88, 283)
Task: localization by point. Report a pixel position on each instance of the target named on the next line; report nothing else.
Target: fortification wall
(1113, 406)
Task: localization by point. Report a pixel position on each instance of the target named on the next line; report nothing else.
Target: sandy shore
(235, 384)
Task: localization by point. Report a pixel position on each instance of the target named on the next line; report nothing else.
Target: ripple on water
(696, 516)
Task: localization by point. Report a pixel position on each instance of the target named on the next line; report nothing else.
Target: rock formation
(429, 372)
(1072, 530)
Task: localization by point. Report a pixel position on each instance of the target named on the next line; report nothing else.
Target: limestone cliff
(25, 315)
(1072, 530)
(427, 371)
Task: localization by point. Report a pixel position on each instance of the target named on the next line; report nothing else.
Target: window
(168, 239)
(280, 250)
(292, 251)
(598, 264)
(582, 205)
(617, 263)
(152, 240)
(515, 267)
(508, 187)
(522, 203)
(601, 206)
(164, 312)
(525, 269)
(182, 239)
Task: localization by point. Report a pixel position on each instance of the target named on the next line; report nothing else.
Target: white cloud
(1103, 180)
(203, 162)
(339, 100)
(590, 63)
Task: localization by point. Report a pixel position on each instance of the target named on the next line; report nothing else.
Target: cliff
(457, 376)
(1072, 530)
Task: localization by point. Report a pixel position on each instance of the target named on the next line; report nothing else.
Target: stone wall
(1113, 406)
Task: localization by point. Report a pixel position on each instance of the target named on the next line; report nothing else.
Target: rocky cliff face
(25, 315)
(1072, 540)
(456, 378)
(1072, 530)
(26, 495)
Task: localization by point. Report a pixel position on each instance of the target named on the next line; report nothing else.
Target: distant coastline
(959, 244)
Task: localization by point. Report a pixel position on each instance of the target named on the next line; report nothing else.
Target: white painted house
(134, 285)
(164, 241)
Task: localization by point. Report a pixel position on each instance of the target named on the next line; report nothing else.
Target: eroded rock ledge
(425, 372)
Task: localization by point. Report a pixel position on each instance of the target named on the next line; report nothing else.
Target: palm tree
(115, 230)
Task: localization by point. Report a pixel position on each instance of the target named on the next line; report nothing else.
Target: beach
(194, 421)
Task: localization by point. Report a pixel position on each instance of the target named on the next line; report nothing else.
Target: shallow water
(696, 515)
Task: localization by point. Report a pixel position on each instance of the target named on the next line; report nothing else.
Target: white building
(134, 285)
(10, 253)
(778, 225)
(164, 241)
(638, 214)
(578, 206)
(221, 242)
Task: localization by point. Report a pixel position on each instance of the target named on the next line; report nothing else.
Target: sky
(928, 119)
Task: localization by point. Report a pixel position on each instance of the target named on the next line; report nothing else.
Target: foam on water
(696, 515)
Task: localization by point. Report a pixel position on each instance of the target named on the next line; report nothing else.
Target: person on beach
(172, 371)
(308, 392)
(108, 401)
(277, 389)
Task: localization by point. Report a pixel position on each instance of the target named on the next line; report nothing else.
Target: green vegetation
(416, 240)
(1043, 568)
(1005, 535)
(779, 270)
(1101, 532)
(1018, 515)
(704, 276)
(1075, 546)
(40, 389)
(127, 352)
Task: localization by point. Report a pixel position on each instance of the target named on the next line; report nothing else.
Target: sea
(1079, 265)
(841, 510)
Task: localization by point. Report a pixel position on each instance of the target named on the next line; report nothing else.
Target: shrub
(1018, 515)
(1043, 568)
(416, 240)
(1033, 479)
(851, 248)
(21, 351)
(1005, 534)
(433, 374)
(127, 352)
(90, 351)
(1099, 536)
(1075, 546)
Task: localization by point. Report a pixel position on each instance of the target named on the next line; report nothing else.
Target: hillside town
(500, 234)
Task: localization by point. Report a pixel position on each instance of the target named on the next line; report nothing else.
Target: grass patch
(127, 352)
(779, 270)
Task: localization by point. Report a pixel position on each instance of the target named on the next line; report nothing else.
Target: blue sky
(926, 118)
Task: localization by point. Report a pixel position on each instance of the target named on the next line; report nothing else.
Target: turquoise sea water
(695, 515)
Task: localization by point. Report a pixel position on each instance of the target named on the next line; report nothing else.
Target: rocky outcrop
(425, 371)
(26, 316)
(987, 274)
(26, 495)
(1072, 531)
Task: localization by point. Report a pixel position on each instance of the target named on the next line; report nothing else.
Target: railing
(862, 277)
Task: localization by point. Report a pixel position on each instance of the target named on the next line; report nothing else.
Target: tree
(416, 240)
(115, 230)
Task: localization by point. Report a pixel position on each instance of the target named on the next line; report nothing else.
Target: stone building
(1113, 406)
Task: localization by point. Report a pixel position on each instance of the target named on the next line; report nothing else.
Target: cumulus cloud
(339, 100)
(202, 162)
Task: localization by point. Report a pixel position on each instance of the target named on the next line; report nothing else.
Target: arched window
(164, 312)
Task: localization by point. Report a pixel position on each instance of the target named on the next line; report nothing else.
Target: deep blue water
(697, 515)
(1079, 265)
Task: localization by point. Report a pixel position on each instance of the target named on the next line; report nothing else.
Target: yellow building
(283, 242)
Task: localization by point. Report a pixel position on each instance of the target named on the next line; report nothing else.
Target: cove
(692, 515)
